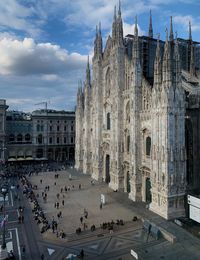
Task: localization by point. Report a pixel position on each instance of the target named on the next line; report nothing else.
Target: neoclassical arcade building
(138, 117)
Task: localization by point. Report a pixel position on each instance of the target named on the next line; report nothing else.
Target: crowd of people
(19, 169)
(39, 216)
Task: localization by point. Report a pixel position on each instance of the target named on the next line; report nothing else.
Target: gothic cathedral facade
(137, 123)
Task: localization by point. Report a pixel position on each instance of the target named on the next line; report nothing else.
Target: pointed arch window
(148, 146)
(108, 82)
(108, 121)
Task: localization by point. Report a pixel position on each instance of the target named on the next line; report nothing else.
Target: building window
(50, 128)
(19, 138)
(41, 128)
(65, 140)
(50, 140)
(65, 128)
(58, 140)
(27, 137)
(11, 138)
(40, 139)
(72, 140)
(58, 128)
(108, 121)
(148, 146)
(38, 128)
(72, 128)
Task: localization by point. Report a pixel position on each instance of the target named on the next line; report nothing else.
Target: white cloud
(16, 16)
(129, 29)
(27, 57)
(184, 21)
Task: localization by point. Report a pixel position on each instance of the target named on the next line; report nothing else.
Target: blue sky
(44, 43)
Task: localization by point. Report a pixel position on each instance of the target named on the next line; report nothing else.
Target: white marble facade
(131, 133)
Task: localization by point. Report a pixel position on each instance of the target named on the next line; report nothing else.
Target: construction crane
(42, 103)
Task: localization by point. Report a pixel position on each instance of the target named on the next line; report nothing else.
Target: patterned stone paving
(102, 248)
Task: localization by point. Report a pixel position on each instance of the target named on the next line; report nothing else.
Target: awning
(12, 160)
(21, 159)
(29, 158)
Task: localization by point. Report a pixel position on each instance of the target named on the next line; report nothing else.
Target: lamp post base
(3, 253)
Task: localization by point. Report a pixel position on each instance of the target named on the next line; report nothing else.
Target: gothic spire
(99, 28)
(114, 25)
(177, 62)
(119, 10)
(171, 36)
(119, 27)
(99, 42)
(166, 69)
(96, 31)
(136, 28)
(88, 80)
(115, 14)
(190, 31)
(135, 52)
(150, 26)
(157, 66)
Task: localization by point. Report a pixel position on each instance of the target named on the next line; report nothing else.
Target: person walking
(82, 254)
(63, 202)
(81, 219)
(42, 256)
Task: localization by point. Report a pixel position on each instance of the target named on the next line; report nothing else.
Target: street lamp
(4, 192)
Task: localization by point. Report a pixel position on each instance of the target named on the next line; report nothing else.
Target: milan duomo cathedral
(138, 117)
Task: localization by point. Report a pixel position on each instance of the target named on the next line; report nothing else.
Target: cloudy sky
(44, 43)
